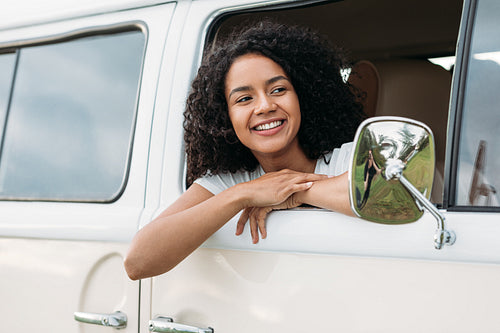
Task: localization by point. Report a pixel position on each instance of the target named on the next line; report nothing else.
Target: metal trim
(456, 103)
(77, 33)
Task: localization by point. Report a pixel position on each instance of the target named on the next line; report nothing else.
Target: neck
(294, 160)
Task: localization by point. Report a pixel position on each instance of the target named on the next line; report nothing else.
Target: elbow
(139, 266)
(137, 260)
(132, 268)
(145, 260)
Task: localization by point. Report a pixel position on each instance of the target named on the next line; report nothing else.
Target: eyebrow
(276, 78)
(270, 81)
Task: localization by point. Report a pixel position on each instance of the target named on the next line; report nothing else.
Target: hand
(274, 188)
(257, 217)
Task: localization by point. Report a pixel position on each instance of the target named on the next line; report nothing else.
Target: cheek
(238, 119)
(297, 114)
(295, 106)
(236, 126)
(232, 119)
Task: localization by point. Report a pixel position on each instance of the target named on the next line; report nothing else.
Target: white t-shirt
(338, 163)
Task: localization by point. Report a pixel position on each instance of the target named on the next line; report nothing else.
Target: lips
(268, 126)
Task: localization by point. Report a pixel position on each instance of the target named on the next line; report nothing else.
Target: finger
(242, 221)
(302, 187)
(299, 176)
(253, 227)
(306, 179)
(261, 220)
(289, 191)
(311, 177)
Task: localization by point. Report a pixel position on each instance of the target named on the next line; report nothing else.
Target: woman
(371, 169)
(267, 108)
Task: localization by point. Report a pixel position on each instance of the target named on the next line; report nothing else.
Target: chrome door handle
(167, 325)
(116, 319)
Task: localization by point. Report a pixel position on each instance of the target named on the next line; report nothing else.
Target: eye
(243, 99)
(278, 90)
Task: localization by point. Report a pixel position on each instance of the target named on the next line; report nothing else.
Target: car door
(323, 271)
(76, 105)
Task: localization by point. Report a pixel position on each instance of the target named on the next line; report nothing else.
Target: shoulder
(335, 162)
(220, 182)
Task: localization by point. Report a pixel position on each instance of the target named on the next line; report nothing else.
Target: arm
(178, 231)
(197, 214)
(330, 193)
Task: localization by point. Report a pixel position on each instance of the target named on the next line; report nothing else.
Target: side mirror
(391, 173)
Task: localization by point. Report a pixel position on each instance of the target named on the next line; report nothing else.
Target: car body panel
(316, 271)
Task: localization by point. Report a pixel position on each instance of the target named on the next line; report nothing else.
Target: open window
(389, 43)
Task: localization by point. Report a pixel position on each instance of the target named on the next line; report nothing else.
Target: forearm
(168, 239)
(331, 194)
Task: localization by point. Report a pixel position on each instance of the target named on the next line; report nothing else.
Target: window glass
(478, 179)
(71, 119)
(7, 63)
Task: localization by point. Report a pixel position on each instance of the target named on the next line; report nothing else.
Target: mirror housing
(391, 173)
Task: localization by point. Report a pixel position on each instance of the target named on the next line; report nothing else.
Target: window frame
(3, 122)
(456, 113)
(52, 39)
(94, 221)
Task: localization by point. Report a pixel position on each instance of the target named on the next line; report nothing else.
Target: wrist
(239, 195)
(299, 198)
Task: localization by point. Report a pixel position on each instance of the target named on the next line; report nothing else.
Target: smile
(269, 126)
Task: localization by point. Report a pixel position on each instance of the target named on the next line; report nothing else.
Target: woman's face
(263, 105)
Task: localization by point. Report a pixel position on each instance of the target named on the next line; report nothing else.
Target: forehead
(250, 68)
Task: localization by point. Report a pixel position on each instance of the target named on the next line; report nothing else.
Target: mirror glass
(379, 143)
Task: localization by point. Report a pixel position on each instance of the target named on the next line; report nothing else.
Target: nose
(264, 105)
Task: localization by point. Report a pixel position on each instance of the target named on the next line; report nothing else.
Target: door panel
(43, 282)
(321, 270)
(276, 292)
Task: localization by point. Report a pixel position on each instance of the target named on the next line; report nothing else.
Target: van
(91, 102)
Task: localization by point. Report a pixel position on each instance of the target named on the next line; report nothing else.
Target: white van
(91, 101)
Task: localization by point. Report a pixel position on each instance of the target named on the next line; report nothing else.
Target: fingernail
(309, 184)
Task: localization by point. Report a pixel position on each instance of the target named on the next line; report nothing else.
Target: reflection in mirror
(391, 173)
(382, 146)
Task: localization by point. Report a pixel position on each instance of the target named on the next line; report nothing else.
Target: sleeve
(336, 162)
(343, 159)
(220, 182)
(212, 183)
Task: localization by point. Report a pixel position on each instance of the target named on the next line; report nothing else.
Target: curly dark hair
(329, 111)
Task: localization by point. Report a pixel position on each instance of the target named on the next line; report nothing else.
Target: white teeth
(269, 126)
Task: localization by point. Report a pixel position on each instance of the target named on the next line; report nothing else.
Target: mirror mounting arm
(394, 170)
(442, 236)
